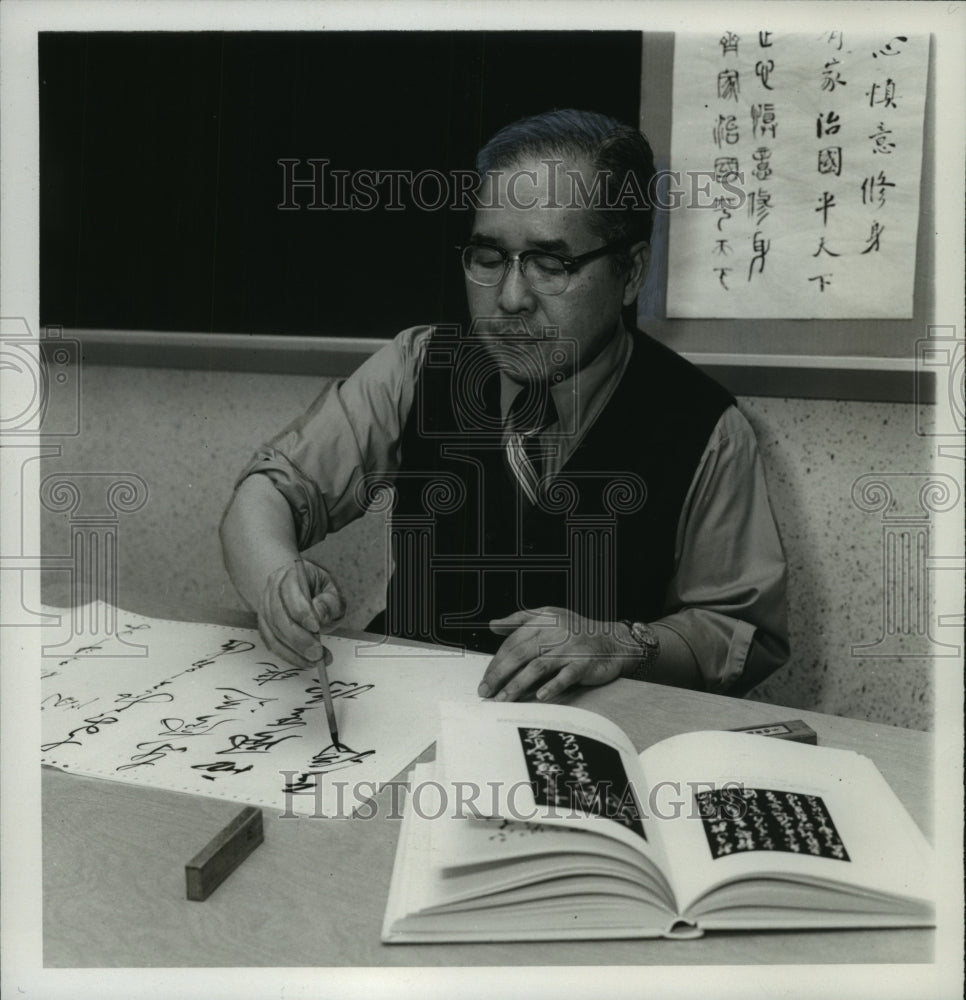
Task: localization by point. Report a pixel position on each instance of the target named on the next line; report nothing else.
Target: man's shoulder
(412, 341)
(395, 360)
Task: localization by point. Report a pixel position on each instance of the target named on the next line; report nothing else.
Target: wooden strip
(896, 380)
(223, 853)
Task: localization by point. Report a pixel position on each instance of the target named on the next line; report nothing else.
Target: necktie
(529, 415)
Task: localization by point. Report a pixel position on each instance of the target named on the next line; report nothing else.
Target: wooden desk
(314, 893)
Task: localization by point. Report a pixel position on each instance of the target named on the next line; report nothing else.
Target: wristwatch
(650, 644)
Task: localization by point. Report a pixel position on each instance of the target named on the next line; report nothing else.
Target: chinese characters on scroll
(210, 711)
(802, 155)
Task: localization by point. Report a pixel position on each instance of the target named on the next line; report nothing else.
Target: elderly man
(570, 495)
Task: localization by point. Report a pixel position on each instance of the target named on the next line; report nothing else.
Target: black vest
(468, 548)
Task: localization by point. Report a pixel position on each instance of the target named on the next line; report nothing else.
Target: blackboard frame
(863, 360)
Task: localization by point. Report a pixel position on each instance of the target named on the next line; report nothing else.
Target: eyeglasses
(547, 273)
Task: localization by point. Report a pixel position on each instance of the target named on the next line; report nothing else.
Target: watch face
(644, 635)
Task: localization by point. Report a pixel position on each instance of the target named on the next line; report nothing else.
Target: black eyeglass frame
(569, 264)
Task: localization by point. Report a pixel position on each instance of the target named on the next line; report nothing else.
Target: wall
(187, 433)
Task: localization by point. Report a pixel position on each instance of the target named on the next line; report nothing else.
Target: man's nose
(516, 295)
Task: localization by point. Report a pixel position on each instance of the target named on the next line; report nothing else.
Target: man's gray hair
(620, 155)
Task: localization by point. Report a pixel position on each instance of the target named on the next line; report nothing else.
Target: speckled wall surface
(187, 433)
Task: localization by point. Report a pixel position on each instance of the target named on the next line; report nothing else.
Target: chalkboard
(161, 178)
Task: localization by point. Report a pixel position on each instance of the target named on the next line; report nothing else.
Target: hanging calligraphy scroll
(796, 164)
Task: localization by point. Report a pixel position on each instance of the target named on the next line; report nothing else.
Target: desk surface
(314, 892)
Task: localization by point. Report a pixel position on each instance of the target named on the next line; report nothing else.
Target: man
(570, 496)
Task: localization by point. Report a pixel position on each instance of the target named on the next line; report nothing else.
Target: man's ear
(640, 255)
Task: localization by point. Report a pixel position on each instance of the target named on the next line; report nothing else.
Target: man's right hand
(289, 619)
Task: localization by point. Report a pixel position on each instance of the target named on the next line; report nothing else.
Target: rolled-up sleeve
(351, 429)
(726, 599)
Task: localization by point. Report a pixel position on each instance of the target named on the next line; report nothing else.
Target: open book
(541, 822)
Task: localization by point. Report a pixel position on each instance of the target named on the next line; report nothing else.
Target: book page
(208, 709)
(470, 842)
(731, 806)
(524, 895)
(548, 764)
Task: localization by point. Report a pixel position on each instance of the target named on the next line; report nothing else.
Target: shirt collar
(581, 397)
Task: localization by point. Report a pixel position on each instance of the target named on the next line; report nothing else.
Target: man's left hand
(555, 648)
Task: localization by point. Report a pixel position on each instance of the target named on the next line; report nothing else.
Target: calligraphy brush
(320, 664)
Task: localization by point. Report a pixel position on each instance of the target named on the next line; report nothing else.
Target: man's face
(585, 315)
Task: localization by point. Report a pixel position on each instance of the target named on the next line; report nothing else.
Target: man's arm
(303, 484)
(259, 543)
(257, 536)
(675, 664)
(726, 599)
(725, 624)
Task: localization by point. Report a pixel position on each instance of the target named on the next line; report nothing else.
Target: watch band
(650, 646)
